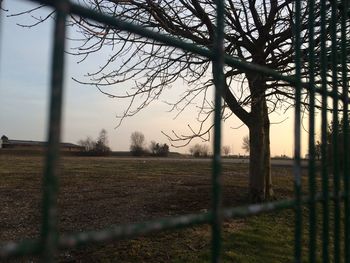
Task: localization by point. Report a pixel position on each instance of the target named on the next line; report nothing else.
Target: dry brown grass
(98, 192)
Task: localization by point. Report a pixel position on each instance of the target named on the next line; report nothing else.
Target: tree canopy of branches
(137, 143)
(260, 32)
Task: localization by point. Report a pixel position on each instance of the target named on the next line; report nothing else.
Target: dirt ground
(95, 193)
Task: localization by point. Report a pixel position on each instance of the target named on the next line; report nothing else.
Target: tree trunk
(260, 183)
(269, 194)
(256, 161)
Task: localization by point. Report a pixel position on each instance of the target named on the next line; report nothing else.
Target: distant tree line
(138, 147)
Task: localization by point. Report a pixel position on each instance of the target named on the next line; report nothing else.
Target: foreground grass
(267, 238)
(99, 192)
(260, 239)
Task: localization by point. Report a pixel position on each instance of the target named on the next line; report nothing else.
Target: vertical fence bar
(218, 74)
(49, 235)
(346, 166)
(311, 174)
(335, 128)
(297, 141)
(324, 143)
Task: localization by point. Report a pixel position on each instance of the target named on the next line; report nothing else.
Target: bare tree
(101, 146)
(260, 32)
(153, 147)
(98, 146)
(226, 149)
(137, 143)
(88, 144)
(199, 150)
(246, 144)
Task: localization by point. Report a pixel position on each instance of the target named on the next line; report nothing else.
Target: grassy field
(98, 192)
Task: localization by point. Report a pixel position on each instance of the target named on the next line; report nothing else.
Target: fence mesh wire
(327, 77)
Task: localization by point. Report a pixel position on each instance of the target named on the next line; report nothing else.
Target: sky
(25, 56)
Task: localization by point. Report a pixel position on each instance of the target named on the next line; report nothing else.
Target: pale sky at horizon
(25, 57)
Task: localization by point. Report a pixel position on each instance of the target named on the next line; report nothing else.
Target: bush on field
(158, 149)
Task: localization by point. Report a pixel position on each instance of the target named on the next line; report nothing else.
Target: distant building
(6, 143)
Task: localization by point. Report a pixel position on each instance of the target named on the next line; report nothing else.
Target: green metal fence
(332, 57)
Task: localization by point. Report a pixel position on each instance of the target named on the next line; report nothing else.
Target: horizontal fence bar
(21, 248)
(127, 231)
